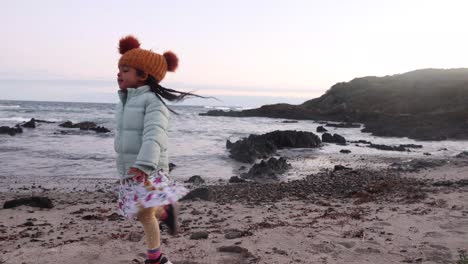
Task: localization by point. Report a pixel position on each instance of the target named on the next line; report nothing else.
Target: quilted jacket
(141, 132)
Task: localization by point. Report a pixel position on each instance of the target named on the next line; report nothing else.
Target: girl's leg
(147, 216)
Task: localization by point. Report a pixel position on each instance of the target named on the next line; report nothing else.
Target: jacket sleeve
(155, 128)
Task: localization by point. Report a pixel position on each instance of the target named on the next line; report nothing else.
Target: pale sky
(293, 50)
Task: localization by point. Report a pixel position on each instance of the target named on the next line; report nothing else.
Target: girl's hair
(166, 93)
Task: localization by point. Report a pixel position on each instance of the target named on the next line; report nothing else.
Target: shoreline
(389, 216)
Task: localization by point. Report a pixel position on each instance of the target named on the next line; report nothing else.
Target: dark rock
(340, 167)
(35, 201)
(327, 138)
(228, 144)
(44, 121)
(195, 179)
(30, 124)
(321, 129)
(289, 121)
(410, 146)
(171, 166)
(235, 179)
(443, 183)
(346, 151)
(82, 125)
(427, 154)
(338, 139)
(67, 124)
(199, 193)
(100, 129)
(93, 217)
(115, 217)
(234, 233)
(199, 235)
(85, 126)
(235, 249)
(267, 169)
(10, 130)
(261, 146)
(344, 125)
(361, 141)
(463, 154)
(460, 183)
(387, 147)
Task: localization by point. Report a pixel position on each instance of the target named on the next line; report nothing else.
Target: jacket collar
(132, 92)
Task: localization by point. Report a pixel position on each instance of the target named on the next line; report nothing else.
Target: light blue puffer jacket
(141, 132)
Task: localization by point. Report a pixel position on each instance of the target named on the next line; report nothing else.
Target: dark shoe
(162, 260)
(171, 218)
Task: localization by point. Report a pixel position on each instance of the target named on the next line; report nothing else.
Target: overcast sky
(285, 50)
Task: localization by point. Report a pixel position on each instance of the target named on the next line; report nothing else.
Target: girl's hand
(138, 175)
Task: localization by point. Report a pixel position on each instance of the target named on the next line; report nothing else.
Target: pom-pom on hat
(146, 60)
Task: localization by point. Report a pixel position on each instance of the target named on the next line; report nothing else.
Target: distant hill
(428, 104)
(417, 92)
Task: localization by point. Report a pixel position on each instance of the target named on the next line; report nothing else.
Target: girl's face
(128, 78)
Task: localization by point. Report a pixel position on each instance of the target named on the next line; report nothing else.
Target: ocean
(197, 144)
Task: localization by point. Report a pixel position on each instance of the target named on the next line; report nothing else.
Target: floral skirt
(158, 190)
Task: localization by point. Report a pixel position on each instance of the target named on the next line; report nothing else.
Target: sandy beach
(415, 215)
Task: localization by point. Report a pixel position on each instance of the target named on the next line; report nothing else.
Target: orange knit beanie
(146, 60)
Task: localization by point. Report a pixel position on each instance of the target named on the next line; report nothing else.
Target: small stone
(232, 234)
(199, 235)
(195, 179)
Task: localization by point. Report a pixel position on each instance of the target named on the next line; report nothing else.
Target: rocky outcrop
(343, 125)
(321, 129)
(11, 130)
(262, 146)
(195, 179)
(267, 170)
(402, 147)
(35, 201)
(199, 193)
(85, 126)
(338, 139)
(30, 124)
(100, 129)
(82, 125)
(235, 179)
(463, 154)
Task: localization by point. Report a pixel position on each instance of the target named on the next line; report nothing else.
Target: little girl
(145, 191)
